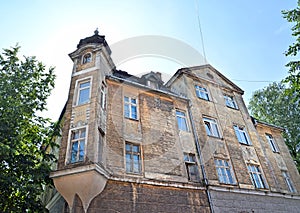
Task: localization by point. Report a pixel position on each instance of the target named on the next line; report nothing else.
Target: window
(152, 84)
(191, 167)
(130, 107)
(77, 145)
(224, 171)
(133, 158)
(103, 96)
(242, 135)
(181, 120)
(256, 176)
(211, 127)
(83, 92)
(202, 93)
(272, 143)
(230, 102)
(87, 58)
(288, 181)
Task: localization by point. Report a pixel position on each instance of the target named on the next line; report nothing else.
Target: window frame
(230, 101)
(289, 182)
(103, 90)
(79, 89)
(132, 153)
(272, 143)
(87, 60)
(191, 166)
(130, 107)
(224, 171)
(213, 132)
(256, 176)
(241, 131)
(202, 92)
(184, 117)
(72, 141)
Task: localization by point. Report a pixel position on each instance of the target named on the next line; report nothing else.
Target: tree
(24, 135)
(293, 78)
(273, 105)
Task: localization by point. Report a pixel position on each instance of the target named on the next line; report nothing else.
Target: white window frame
(86, 61)
(211, 127)
(103, 90)
(130, 105)
(230, 102)
(191, 166)
(130, 161)
(256, 176)
(224, 171)
(272, 143)
(288, 182)
(70, 143)
(183, 118)
(78, 83)
(202, 92)
(242, 135)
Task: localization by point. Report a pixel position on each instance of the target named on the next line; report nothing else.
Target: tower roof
(94, 39)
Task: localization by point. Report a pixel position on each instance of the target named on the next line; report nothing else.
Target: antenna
(200, 30)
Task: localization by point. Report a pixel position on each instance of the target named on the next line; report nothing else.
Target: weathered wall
(228, 202)
(132, 197)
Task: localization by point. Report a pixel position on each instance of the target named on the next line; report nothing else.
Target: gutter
(200, 157)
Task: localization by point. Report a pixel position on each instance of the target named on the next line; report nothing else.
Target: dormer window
(87, 58)
(152, 84)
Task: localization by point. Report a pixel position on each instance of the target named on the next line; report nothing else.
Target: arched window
(87, 58)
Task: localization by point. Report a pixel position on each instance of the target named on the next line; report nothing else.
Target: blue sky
(244, 40)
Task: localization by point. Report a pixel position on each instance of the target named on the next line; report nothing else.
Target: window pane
(133, 100)
(126, 110)
(82, 134)
(208, 128)
(126, 99)
(135, 148)
(83, 85)
(133, 112)
(81, 151)
(74, 152)
(215, 130)
(84, 96)
(128, 147)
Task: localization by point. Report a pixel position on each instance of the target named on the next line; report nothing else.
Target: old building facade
(137, 144)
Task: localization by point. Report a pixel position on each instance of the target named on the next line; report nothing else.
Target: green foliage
(293, 79)
(24, 136)
(275, 106)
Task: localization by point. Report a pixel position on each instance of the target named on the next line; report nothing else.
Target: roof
(94, 39)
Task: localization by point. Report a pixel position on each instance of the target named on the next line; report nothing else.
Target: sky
(244, 40)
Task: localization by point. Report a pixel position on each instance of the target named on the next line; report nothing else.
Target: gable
(209, 74)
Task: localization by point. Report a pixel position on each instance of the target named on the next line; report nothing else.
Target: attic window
(152, 84)
(87, 58)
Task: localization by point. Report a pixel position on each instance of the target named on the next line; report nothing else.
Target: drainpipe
(200, 156)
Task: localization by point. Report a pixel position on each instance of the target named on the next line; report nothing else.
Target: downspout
(200, 156)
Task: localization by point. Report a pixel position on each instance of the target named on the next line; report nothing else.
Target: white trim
(94, 68)
(76, 90)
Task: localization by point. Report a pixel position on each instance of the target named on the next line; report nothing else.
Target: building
(137, 144)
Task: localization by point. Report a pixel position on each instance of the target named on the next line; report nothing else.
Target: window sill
(78, 105)
(245, 144)
(216, 137)
(204, 99)
(232, 108)
(133, 119)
